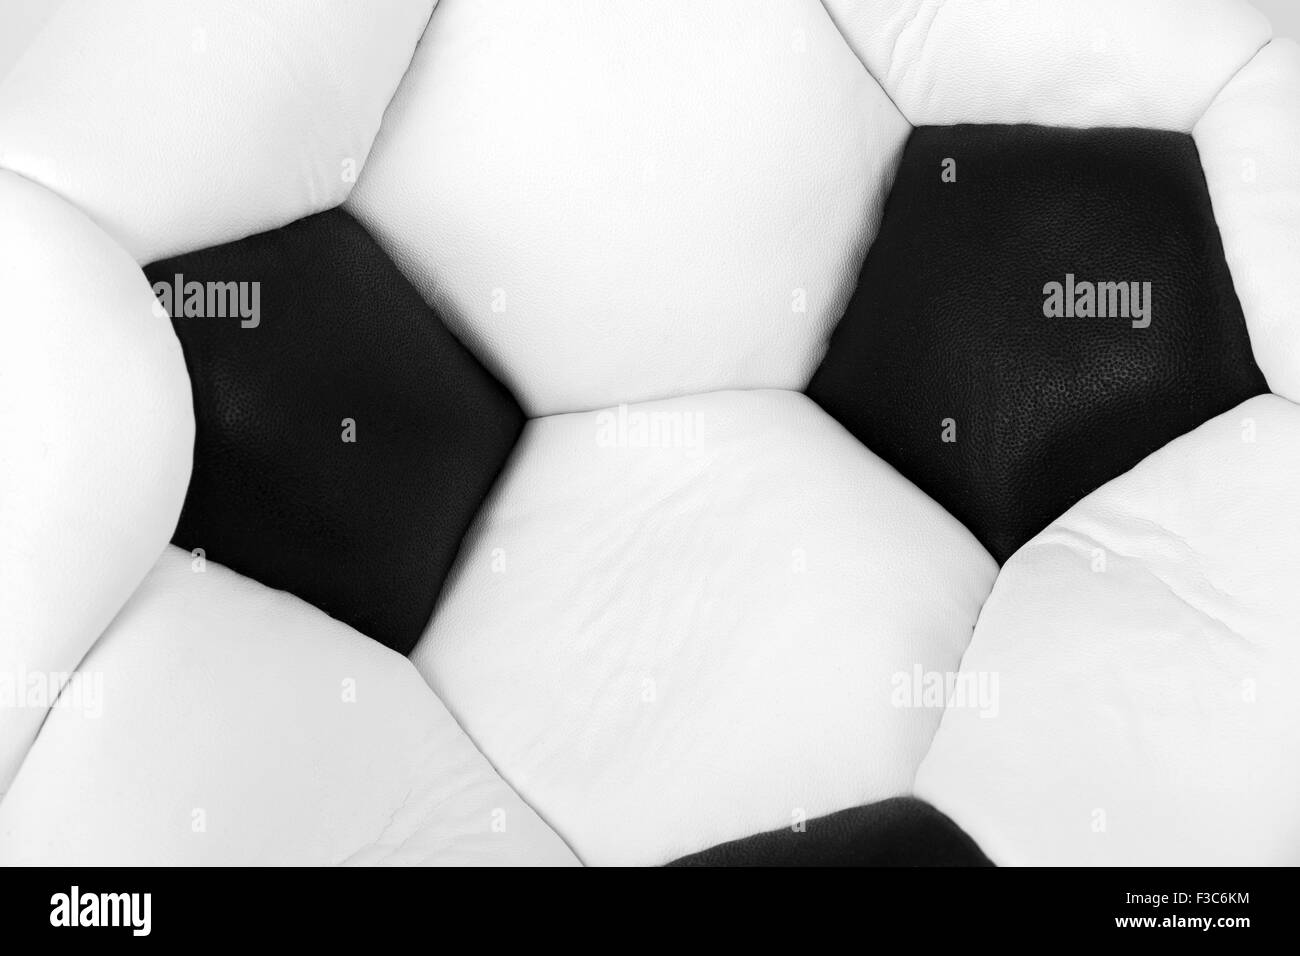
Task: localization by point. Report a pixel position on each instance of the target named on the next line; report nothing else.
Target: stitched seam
(383, 115)
(928, 5)
(889, 96)
(1227, 83)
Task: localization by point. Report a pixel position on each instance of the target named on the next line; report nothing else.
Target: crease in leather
(383, 115)
(875, 79)
(1229, 81)
(937, 7)
(1061, 537)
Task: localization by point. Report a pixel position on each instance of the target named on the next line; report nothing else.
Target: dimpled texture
(366, 529)
(945, 364)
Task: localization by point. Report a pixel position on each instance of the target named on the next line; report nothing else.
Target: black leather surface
(902, 831)
(947, 321)
(367, 530)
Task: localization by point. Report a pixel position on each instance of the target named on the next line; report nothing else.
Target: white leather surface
(1151, 63)
(1250, 149)
(626, 201)
(23, 19)
(96, 440)
(182, 125)
(223, 703)
(666, 648)
(1155, 698)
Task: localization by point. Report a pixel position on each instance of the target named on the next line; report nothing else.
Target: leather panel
(1148, 63)
(1248, 143)
(901, 831)
(238, 726)
(682, 622)
(345, 437)
(177, 126)
(96, 438)
(1146, 650)
(623, 202)
(946, 365)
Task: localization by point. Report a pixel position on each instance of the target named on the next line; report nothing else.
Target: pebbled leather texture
(626, 201)
(671, 643)
(663, 647)
(96, 437)
(945, 364)
(234, 725)
(1249, 141)
(901, 831)
(366, 529)
(1147, 651)
(1148, 63)
(177, 126)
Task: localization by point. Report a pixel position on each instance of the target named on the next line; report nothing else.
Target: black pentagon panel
(345, 439)
(1042, 309)
(902, 831)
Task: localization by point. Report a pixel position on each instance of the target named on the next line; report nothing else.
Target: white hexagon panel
(609, 203)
